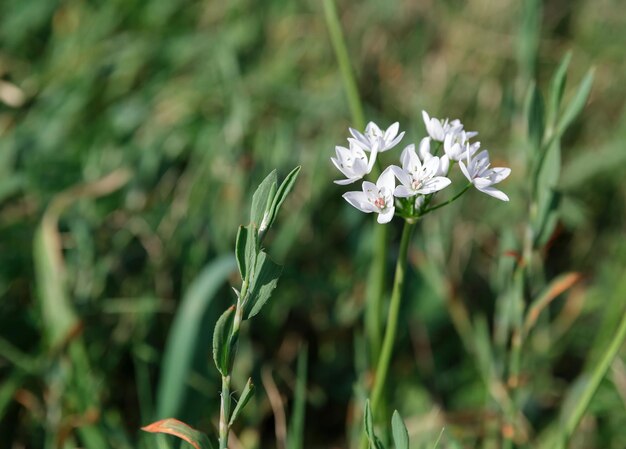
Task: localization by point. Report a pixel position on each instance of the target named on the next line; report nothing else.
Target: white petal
(436, 130)
(359, 200)
(444, 165)
(482, 183)
(345, 182)
(434, 185)
(391, 132)
(385, 217)
(492, 191)
(465, 171)
(408, 156)
(363, 145)
(370, 189)
(426, 118)
(431, 167)
(403, 192)
(424, 148)
(372, 160)
(387, 180)
(346, 172)
(394, 142)
(372, 128)
(500, 173)
(403, 176)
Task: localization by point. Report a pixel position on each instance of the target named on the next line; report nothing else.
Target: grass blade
(182, 340)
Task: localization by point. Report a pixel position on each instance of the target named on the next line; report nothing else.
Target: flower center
(416, 184)
(380, 202)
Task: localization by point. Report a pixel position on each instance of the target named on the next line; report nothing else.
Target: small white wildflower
(374, 137)
(353, 163)
(456, 146)
(417, 178)
(424, 153)
(478, 173)
(376, 197)
(438, 129)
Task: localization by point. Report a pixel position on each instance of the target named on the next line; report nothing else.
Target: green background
(189, 104)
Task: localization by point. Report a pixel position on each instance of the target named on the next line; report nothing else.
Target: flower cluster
(422, 173)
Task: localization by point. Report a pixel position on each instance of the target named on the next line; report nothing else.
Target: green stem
(392, 320)
(596, 377)
(224, 412)
(224, 427)
(341, 52)
(375, 293)
(454, 198)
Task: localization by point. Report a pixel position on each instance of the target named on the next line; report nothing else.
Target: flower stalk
(391, 327)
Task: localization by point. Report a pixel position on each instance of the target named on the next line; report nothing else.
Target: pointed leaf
(184, 338)
(369, 427)
(261, 198)
(221, 340)
(240, 249)
(536, 117)
(577, 103)
(557, 87)
(295, 437)
(263, 282)
(246, 395)
(282, 193)
(546, 195)
(177, 428)
(398, 429)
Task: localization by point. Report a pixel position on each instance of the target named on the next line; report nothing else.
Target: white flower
(456, 145)
(374, 137)
(438, 129)
(424, 153)
(353, 163)
(478, 173)
(417, 178)
(376, 197)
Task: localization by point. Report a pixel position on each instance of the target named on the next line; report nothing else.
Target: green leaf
(557, 87)
(295, 435)
(262, 197)
(240, 249)
(546, 196)
(221, 340)
(369, 427)
(548, 218)
(398, 429)
(577, 103)
(263, 282)
(282, 193)
(177, 428)
(246, 395)
(536, 117)
(184, 336)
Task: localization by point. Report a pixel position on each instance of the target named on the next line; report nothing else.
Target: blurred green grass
(199, 100)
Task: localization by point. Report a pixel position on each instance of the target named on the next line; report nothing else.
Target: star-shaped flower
(353, 162)
(374, 137)
(478, 173)
(417, 177)
(375, 197)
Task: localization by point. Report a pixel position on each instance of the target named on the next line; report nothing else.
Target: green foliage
(246, 395)
(222, 340)
(199, 101)
(399, 432)
(183, 339)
